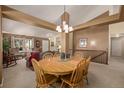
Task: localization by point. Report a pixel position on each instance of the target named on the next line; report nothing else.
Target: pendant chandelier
(65, 26)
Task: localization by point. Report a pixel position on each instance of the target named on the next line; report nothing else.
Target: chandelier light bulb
(60, 30)
(57, 28)
(64, 22)
(66, 30)
(70, 28)
(65, 27)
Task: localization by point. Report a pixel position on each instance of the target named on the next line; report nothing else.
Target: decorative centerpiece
(64, 56)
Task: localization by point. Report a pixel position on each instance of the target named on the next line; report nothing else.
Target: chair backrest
(47, 56)
(77, 56)
(87, 62)
(77, 74)
(39, 72)
(56, 54)
(56, 57)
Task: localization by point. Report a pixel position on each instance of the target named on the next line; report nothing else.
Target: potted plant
(6, 45)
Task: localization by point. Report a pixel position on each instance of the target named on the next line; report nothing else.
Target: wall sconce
(59, 48)
(93, 43)
(117, 35)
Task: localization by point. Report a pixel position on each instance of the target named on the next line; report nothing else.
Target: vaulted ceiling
(51, 13)
(78, 13)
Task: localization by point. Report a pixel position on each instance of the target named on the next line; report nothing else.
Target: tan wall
(70, 41)
(97, 34)
(0, 46)
(115, 29)
(123, 47)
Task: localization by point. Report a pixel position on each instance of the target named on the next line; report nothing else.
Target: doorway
(45, 45)
(117, 47)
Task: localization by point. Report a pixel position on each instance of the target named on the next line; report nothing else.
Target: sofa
(36, 55)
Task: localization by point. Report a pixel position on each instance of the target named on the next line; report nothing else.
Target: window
(19, 43)
(23, 44)
(28, 44)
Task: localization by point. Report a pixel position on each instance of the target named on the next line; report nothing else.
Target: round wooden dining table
(58, 67)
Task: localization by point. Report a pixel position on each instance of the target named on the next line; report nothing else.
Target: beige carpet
(19, 76)
(100, 75)
(107, 76)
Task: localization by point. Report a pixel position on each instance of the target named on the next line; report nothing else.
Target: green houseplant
(6, 45)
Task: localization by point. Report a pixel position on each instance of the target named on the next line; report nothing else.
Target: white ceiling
(52, 13)
(14, 27)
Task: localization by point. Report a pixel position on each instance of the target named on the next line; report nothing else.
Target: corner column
(1, 49)
(64, 36)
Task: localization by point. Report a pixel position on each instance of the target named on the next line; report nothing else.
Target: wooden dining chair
(75, 79)
(77, 56)
(42, 80)
(48, 57)
(56, 54)
(85, 73)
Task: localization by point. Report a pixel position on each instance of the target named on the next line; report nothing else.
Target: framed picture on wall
(83, 42)
(37, 43)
